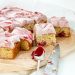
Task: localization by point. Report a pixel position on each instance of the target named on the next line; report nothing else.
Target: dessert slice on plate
(61, 26)
(44, 34)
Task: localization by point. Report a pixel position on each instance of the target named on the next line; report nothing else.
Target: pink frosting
(6, 25)
(11, 12)
(14, 12)
(44, 28)
(8, 39)
(59, 21)
(38, 17)
(23, 33)
(23, 21)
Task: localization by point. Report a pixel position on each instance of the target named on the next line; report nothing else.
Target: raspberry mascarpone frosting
(59, 21)
(14, 12)
(44, 28)
(38, 54)
(23, 33)
(8, 39)
(39, 17)
(23, 21)
(7, 25)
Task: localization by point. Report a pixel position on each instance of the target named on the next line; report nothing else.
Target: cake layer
(9, 53)
(25, 45)
(65, 31)
(48, 39)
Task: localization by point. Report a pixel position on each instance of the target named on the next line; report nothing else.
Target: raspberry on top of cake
(44, 34)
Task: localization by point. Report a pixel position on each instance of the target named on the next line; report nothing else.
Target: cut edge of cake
(45, 34)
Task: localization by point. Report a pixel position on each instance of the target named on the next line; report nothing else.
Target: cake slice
(25, 36)
(9, 45)
(61, 26)
(45, 34)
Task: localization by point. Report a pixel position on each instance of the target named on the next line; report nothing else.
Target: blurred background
(70, 4)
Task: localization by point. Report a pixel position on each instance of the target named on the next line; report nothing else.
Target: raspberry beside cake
(61, 26)
(7, 25)
(45, 34)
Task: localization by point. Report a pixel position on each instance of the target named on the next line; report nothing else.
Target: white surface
(67, 64)
(69, 4)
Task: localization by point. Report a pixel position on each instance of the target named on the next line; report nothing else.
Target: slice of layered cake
(61, 26)
(45, 34)
(25, 36)
(9, 45)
